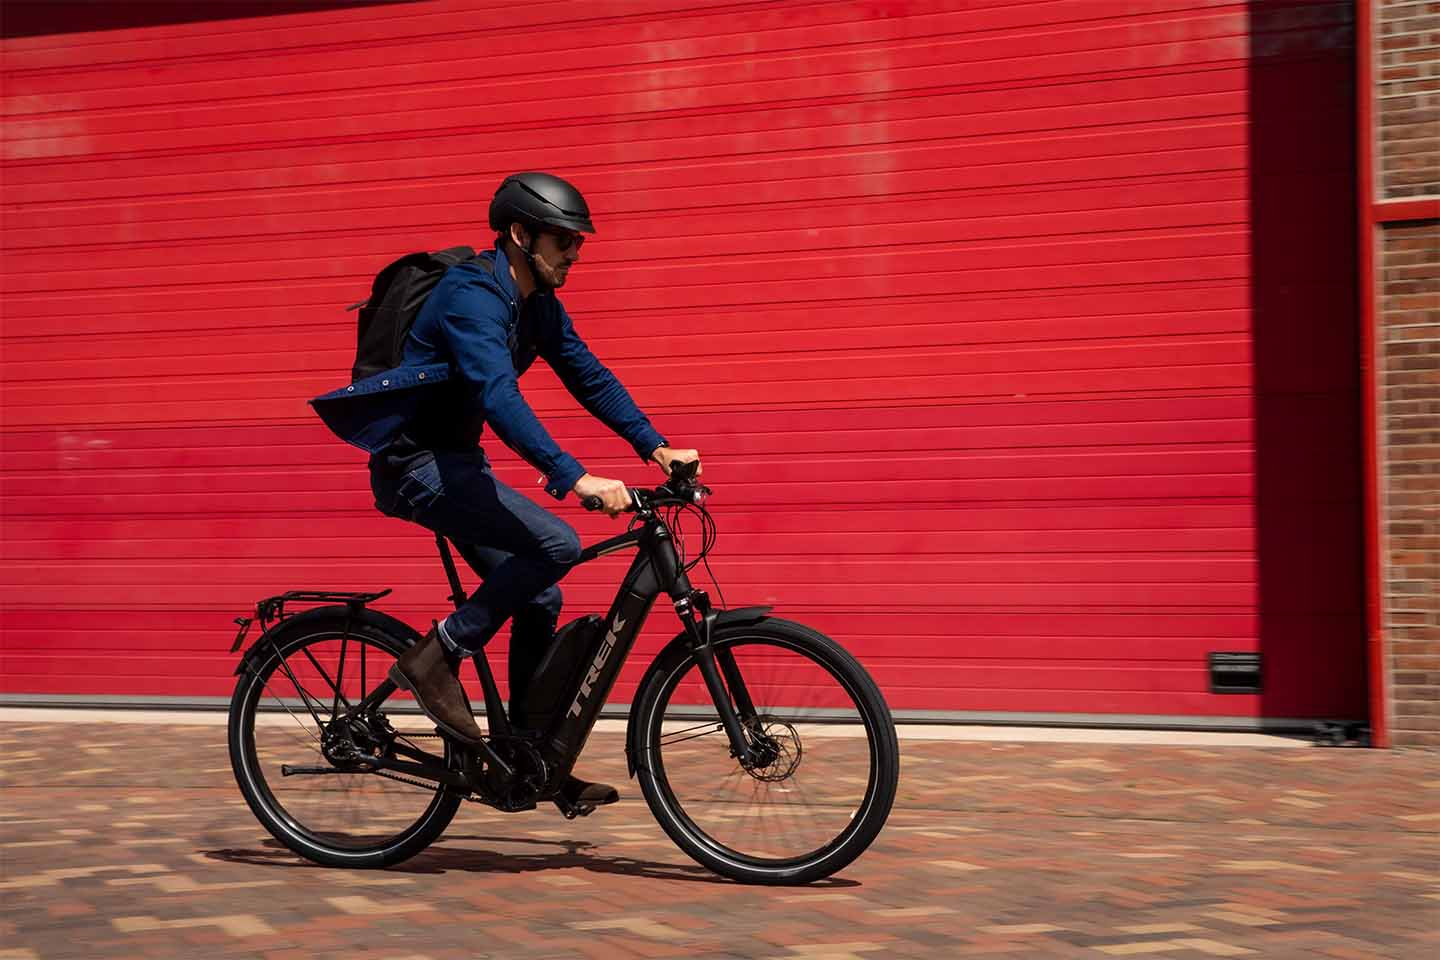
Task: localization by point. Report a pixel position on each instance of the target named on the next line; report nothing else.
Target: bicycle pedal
(576, 810)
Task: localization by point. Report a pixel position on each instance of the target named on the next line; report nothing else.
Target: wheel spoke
(312, 733)
(706, 729)
(339, 675)
(333, 684)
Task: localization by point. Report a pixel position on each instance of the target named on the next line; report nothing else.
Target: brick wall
(1407, 105)
(1406, 58)
(1409, 369)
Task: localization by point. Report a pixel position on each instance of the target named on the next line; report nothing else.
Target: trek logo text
(600, 657)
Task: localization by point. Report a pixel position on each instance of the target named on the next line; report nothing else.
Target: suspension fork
(736, 683)
(718, 669)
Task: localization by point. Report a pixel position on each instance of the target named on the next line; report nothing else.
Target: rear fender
(335, 615)
(681, 641)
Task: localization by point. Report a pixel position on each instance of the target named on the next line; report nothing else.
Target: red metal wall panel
(957, 297)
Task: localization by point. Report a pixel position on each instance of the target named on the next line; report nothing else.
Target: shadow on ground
(441, 858)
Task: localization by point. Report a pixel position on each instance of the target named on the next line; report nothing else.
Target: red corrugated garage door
(1018, 336)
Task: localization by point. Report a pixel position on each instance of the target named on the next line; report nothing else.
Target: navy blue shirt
(461, 367)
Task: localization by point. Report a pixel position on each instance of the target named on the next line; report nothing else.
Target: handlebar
(680, 488)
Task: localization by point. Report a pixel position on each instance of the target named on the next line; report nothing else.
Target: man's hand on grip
(666, 455)
(613, 495)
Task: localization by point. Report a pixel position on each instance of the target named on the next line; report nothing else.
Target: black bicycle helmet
(539, 199)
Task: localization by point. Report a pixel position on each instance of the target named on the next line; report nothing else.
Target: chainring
(521, 790)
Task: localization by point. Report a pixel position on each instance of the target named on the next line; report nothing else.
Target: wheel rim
(348, 812)
(818, 782)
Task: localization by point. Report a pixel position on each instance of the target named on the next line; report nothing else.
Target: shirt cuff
(562, 479)
(648, 444)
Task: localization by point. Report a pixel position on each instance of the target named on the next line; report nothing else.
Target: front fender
(335, 614)
(724, 618)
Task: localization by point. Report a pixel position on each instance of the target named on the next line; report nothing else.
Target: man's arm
(474, 326)
(597, 389)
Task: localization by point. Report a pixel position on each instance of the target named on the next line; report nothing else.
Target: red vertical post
(1369, 399)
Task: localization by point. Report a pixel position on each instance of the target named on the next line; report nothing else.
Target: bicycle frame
(655, 569)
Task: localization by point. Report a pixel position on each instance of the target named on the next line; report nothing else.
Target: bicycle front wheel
(828, 761)
(299, 761)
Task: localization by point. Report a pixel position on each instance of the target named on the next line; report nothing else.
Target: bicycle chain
(423, 784)
(404, 779)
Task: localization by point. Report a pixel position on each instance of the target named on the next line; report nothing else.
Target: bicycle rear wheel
(829, 767)
(295, 767)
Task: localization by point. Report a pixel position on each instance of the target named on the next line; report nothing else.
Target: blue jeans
(518, 548)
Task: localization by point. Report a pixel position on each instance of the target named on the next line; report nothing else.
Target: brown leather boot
(578, 791)
(429, 674)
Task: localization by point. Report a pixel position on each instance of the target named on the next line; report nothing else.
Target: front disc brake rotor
(778, 748)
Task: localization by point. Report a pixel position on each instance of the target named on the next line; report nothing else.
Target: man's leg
(532, 629)
(456, 494)
(529, 548)
(532, 626)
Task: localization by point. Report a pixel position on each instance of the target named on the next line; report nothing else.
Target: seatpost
(457, 592)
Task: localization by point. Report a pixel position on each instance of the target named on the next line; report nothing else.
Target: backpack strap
(453, 255)
(450, 256)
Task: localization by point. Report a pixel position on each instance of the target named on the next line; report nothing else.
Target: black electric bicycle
(762, 747)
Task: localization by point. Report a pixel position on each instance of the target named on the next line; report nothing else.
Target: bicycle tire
(654, 711)
(251, 773)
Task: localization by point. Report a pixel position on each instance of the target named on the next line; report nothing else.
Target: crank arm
(293, 770)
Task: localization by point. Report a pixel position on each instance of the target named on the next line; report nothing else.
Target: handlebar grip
(592, 503)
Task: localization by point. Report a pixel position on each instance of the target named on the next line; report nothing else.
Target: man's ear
(519, 235)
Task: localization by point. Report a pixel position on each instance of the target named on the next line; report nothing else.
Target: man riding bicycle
(488, 321)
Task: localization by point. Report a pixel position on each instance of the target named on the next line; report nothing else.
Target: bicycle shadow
(439, 859)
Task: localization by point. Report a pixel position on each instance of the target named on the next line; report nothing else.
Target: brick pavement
(134, 842)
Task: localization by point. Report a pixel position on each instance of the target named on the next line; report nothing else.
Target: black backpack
(396, 296)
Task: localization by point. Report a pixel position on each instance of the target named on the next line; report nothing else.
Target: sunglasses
(564, 240)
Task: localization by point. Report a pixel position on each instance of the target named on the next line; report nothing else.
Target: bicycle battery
(556, 679)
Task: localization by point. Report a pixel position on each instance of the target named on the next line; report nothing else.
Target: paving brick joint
(131, 840)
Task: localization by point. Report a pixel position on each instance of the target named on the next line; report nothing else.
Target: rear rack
(272, 609)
